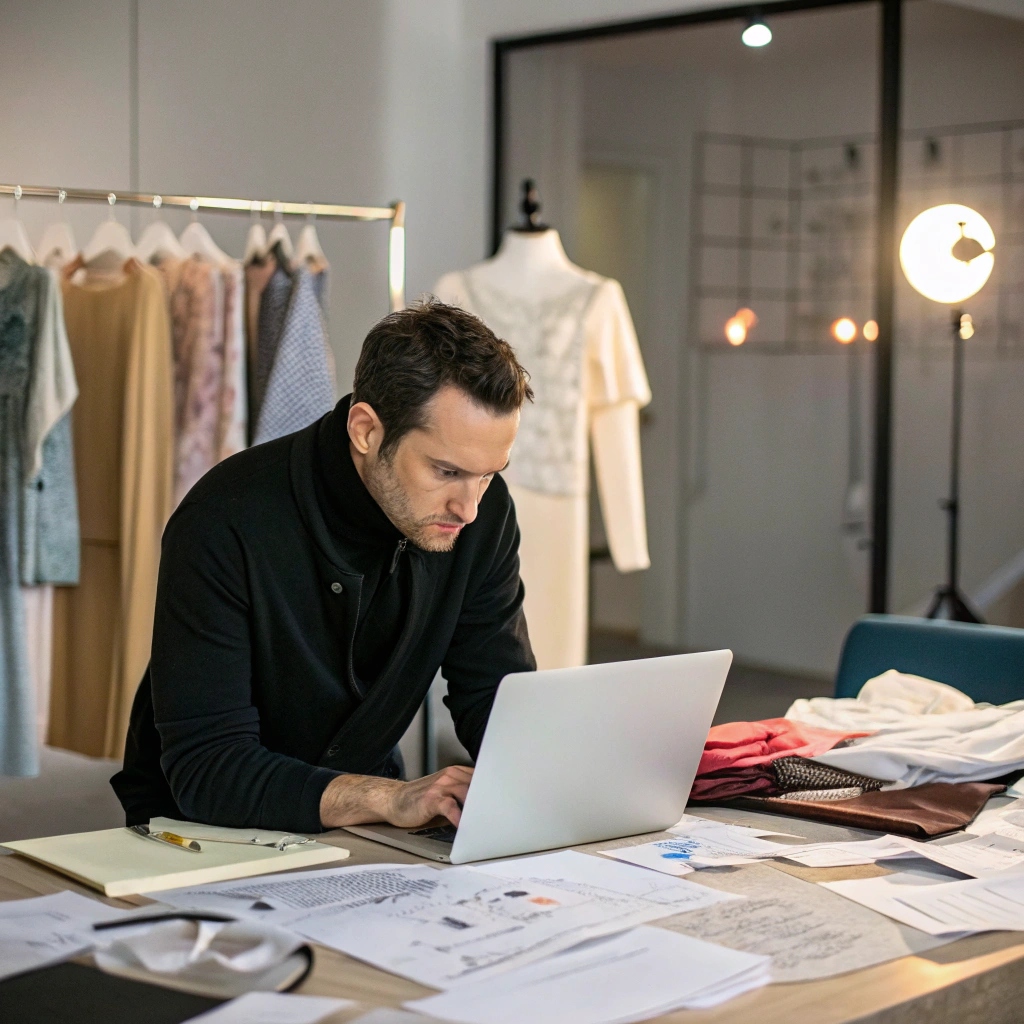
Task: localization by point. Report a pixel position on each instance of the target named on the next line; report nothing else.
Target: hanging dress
(124, 460)
(37, 495)
(582, 354)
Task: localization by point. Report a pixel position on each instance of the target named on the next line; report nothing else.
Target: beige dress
(589, 382)
(124, 445)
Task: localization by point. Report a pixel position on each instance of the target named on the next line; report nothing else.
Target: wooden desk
(978, 980)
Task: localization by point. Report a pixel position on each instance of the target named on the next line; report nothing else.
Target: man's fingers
(451, 810)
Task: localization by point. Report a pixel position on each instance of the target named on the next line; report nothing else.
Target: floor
(750, 693)
(73, 794)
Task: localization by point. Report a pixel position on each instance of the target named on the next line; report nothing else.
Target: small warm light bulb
(870, 331)
(747, 317)
(735, 331)
(966, 326)
(844, 330)
(757, 33)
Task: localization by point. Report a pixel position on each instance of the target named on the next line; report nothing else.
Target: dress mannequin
(572, 331)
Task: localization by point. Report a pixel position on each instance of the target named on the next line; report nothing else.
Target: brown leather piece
(922, 812)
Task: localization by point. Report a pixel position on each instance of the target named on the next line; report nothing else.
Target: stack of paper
(476, 923)
(981, 904)
(630, 977)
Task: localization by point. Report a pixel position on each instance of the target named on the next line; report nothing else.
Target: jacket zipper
(398, 553)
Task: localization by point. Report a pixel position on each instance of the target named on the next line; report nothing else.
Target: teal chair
(985, 662)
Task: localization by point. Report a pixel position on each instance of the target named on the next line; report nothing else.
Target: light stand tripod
(949, 602)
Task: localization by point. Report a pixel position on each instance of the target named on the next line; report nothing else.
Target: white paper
(992, 817)
(702, 846)
(630, 977)
(1017, 789)
(979, 857)
(273, 1008)
(982, 904)
(809, 933)
(688, 822)
(669, 856)
(476, 923)
(278, 898)
(834, 855)
(885, 895)
(584, 873)
(48, 929)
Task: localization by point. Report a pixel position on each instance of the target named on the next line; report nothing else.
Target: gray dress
(39, 527)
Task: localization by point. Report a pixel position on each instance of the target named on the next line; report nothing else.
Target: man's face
(430, 486)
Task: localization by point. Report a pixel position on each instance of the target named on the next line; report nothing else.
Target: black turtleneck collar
(350, 512)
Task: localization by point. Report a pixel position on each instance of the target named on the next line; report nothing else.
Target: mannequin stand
(949, 602)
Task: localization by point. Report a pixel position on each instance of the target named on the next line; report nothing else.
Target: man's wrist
(357, 800)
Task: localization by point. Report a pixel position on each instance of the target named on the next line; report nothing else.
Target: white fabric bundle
(921, 731)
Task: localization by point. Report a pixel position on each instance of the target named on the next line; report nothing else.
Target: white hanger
(57, 246)
(256, 240)
(110, 245)
(308, 246)
(197, 241)
(159, 240)
(279, 234)
(13, 234)
(255, 243)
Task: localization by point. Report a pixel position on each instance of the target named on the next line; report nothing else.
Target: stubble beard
(388, 493)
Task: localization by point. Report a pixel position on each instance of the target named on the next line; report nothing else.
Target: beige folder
(119, 863)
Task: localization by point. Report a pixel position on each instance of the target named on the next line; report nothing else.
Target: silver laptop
(579, 755)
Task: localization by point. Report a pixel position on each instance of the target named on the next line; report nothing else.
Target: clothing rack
(394, 213)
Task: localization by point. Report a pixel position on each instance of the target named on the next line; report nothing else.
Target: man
(311, 587)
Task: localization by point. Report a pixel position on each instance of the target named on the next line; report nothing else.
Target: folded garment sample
(742, 744)
(783, 775)
(923, 812)
(920, 731)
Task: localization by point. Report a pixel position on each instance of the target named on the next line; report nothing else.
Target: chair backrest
(985, 662)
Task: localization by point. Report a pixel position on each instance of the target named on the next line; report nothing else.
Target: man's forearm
(356, 800)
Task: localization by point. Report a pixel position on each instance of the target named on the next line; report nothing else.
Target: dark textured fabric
(252, 704)
(923, 812)
(799, 773)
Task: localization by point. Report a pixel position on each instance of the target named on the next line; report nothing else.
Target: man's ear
(365, 430)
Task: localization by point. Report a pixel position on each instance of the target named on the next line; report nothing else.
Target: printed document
(808, 932)
(885, 895)
(979, 857)
(476, 923)
(48, 929)
(977, 904)
(278, 898)
(629, 977)
(679, 856)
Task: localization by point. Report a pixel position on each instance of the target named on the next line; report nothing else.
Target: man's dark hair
(412, 354)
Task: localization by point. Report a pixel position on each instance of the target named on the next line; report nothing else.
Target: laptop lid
(580, 755)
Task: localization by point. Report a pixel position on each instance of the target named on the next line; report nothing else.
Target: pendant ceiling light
(757, 33)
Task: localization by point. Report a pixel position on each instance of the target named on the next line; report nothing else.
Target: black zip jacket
(271, 595)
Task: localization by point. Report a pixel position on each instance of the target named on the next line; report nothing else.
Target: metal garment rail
(394, 213)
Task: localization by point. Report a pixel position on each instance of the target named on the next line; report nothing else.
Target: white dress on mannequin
(572, 331)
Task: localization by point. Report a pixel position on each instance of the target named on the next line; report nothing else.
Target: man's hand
(361, 799)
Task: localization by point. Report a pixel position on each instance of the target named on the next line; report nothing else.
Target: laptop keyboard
(439, 833)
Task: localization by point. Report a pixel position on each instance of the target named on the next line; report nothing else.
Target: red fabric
(743, 744)
(757, 780)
